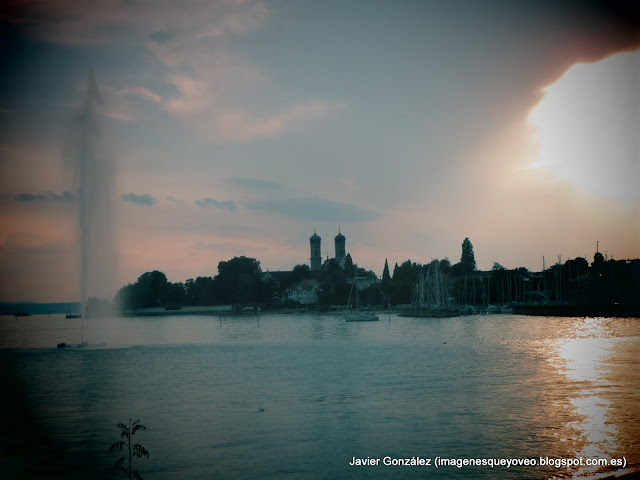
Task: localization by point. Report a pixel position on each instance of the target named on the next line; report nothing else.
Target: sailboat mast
(357, 295)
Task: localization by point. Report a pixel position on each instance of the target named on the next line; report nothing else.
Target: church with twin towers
(316, 254)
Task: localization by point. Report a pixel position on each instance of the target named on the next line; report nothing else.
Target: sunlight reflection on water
(583, 359)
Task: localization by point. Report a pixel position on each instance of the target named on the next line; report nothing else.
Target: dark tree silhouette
(445, 266)
(349, 269)
(386, 277)
(239, 280)
(152, 289)
(176, 294)
(301, 272)
(334, 289)
(404, 277)
(200, 291)
(468, 259)
(126, 297)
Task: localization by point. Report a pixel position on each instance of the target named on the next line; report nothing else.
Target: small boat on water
(82, 342)
(361, 317)
(357, 315)
(432, 312)
(72, 345)
(74, 315)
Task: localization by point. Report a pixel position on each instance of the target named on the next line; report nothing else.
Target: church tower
(340, 247)
(316, 258)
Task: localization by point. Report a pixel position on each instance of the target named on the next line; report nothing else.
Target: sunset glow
(587, 125)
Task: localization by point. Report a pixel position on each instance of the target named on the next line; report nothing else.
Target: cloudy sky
(234, 127)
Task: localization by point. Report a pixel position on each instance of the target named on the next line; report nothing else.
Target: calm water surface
(299, 396)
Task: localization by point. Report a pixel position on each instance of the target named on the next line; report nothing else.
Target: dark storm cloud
(144, 199)
(161, 36)
(212, 202)
(45, 197)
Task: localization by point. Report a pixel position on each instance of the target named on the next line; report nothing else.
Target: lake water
(299, 396)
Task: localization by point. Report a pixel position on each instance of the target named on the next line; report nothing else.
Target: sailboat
(357, 316)
(431, 296)
(82, 342)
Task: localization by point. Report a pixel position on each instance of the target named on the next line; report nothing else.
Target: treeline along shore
(605, 287)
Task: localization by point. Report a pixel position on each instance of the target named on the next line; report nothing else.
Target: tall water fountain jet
(94, 169)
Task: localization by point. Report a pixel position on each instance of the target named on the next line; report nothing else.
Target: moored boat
(361, 317)
(357, 315)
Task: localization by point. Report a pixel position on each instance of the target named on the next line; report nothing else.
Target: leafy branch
(136, 450)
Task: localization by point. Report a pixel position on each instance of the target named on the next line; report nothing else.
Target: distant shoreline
(542, 310)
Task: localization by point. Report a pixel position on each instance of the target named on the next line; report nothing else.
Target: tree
(334, 289)
(200, 291)
(363, 273)
(137, 450)
(445, 266)
(404, 277)
(349, 269)
(468, 259)
(176, 294)
(239, 280)
(386, 278)
(126, 298)
(301, 272)
(458, 270)
(152, 289)
(386, 286)
(581, 266)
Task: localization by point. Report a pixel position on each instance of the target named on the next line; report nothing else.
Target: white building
(305, 292)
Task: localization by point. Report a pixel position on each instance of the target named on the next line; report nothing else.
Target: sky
(237, 127)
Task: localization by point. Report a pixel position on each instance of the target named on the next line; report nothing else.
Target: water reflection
(244, 328)
(505, 386)
(584, 359)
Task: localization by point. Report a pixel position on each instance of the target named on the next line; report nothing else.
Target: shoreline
(541, 310)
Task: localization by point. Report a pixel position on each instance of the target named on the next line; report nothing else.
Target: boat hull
(72, 345)
(361, 318)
